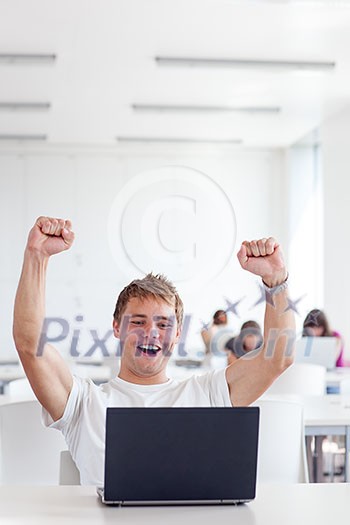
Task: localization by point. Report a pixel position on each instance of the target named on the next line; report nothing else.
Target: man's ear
(116, 329)
(178, 335)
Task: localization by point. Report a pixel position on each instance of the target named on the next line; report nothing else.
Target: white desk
(9, 372)
(321, 504)
(334, 377)
(323, 416)
(329, 415)
(98, 373)
(331, 410)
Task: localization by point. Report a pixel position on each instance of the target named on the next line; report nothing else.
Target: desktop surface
(275, 504)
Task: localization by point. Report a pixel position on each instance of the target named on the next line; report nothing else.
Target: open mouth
(150, 350)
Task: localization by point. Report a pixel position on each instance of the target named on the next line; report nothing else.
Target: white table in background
(9, 372)
(334, 377)
(323, 416)
(98, 373)
(6, 399)
(309, 504)
(329, 415)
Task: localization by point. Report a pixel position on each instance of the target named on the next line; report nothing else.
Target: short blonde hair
(151, 286)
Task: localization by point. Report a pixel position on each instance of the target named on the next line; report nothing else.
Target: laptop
(162, 456)
(318, 351)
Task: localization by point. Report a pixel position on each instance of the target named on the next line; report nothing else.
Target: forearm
(206, 337)
(29, 311)
(252, 374)
(279, 332)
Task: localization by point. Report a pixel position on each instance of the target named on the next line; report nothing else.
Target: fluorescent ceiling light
(245, 64)
(199, 109)
(24, 106)
(178, 140)
(330, 3)
(26, 58)
(20, 136)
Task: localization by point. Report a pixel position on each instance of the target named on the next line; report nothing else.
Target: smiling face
(148, 332)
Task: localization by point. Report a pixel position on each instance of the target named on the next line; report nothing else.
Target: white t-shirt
(83, 422)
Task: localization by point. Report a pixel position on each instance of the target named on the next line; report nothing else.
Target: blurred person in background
(250, 338)
(316, 325)
(217, 333)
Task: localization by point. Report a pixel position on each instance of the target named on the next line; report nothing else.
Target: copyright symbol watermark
(173, 220)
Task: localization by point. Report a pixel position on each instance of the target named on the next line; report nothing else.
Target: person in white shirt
(216, 334)
(147, 320)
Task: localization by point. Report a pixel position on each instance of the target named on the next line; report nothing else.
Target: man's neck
(131, 377)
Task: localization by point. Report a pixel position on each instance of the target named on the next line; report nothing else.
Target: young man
(147, 319)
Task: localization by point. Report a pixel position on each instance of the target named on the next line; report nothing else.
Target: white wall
(83, 185)
(336, 154)
(305, 229)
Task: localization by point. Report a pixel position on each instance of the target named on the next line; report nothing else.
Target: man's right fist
(50, 236)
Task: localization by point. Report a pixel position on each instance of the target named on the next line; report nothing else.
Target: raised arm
(252, 374)
(48, 374)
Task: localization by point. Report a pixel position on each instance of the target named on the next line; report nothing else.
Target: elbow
(282, 354)
(281, 366)
(288, 354)
(286, 363)
(24, 345)
(26, 335)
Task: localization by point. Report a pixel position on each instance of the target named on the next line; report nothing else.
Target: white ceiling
(105, 62)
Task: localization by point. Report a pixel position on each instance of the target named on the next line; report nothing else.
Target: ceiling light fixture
(178, 140)
(20, 137)
(205, 109)
(332, 3)
(245, 64)
(27, 58)
(24, 106)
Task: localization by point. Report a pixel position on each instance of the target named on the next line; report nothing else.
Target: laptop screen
(181, 454)
(318, 350)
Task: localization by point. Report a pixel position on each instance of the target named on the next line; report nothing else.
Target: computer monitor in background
(318, 351)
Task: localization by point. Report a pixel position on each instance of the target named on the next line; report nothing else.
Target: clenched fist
(50, 236)
(264, 258)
